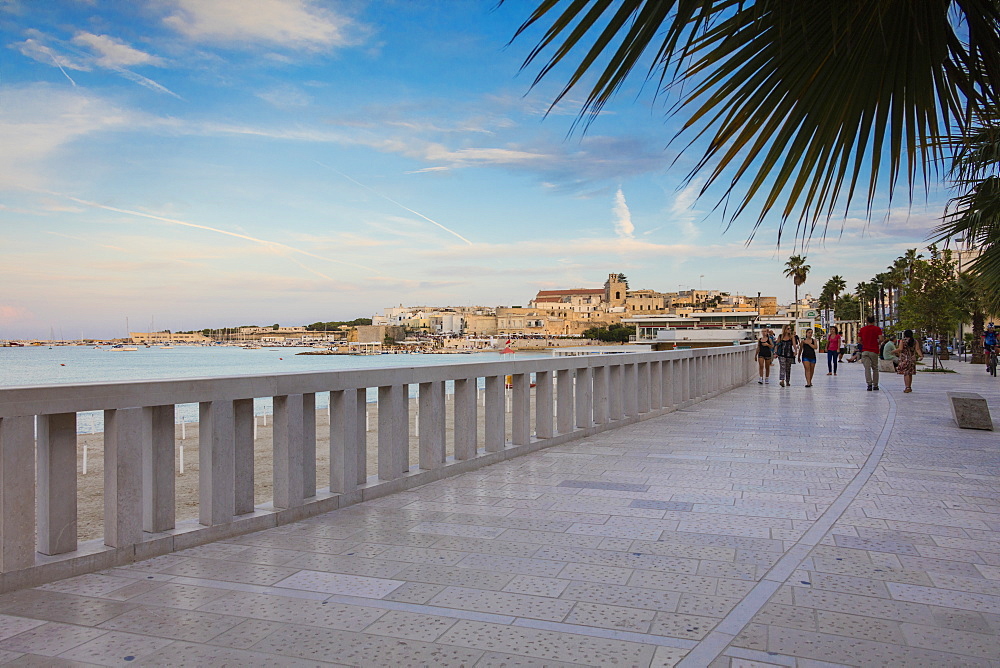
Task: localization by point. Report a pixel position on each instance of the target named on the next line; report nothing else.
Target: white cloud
(623, 217)
(285, 97)
(295, 24)
(113, 53)
(682, 209)
(39, 120)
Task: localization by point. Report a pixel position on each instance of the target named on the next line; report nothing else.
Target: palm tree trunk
(978, 326)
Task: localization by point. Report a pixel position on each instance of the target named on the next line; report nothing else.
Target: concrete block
(970, 410)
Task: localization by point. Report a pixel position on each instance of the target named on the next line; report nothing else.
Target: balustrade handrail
(574, 397)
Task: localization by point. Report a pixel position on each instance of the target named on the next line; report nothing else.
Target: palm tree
(833, 287)
(797, 270)
(974, 215)
(774, 88)
(866, 295)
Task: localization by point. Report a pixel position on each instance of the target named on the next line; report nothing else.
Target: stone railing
(523, 406)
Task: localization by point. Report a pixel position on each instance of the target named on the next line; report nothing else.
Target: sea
(44, 365)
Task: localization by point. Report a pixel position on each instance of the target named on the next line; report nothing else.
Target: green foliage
(847, 307)
(613, 334)
(337, 324)
(933, 302)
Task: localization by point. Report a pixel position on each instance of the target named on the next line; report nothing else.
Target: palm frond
(806, 106)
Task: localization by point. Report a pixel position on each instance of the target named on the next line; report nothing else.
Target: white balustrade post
(403, 409)
(465, 418)
(667, 380)
(564, 400)
(244, 433)
(158, 478)
(289, 451)
(216, 463)
(17, 493)
(685, 380)
(584, 392)
(309, 444)
(642, 389)
(56, 509)
(125, 429)
(630, 390)
(600, 374)
(390, 432)
(343, 441)
(655, 385)
(361, 417)
(431, 433)
(520, 419)
(543, 404)
(493, 414)
(616, 401)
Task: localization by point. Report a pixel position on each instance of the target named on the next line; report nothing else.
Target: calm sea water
(40, 365)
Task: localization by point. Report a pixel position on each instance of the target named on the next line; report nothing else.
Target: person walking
(787, 349)
(807, 355)
(833, 350)
(908, 354)
(765, 350)
(870, 336)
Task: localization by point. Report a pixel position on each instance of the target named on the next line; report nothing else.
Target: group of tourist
(788, 347)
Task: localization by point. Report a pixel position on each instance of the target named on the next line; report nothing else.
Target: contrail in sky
(389, 199)
(272, 245)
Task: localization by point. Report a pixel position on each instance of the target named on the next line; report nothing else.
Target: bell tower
(614, 290)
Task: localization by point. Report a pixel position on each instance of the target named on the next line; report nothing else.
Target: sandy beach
(90, 496)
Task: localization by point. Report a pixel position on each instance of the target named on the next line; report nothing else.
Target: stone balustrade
(571, 397)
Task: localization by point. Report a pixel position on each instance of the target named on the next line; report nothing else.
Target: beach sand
(90, 495)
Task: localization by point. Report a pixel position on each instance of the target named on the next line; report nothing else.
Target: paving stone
(410, 626)
(530, 584)
(287, 610)
(461, 577)
(50, 639)
(676, 625)
(502, 603)
(194, 654)
(338, 583)
(59, 607)
(541, 644)
(114, 647)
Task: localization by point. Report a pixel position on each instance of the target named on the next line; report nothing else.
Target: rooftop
(782, 526)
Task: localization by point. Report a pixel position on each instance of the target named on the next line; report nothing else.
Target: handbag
(886, 365)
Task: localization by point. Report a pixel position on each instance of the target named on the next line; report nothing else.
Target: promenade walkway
(768, 526)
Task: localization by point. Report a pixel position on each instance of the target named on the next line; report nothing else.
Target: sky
(183, 164)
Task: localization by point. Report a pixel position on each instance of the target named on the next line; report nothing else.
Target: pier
(647, 509)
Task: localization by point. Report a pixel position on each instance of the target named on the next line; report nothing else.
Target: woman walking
(807, 355)
(908, 354)
(832, 351)
(763, 357)
(787, 349)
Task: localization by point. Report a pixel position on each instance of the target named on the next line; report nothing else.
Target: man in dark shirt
(870, 336)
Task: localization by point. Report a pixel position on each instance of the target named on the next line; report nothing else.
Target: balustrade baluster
(616, 405)
(584, 392)
(493, 414)
(642, 379)
(56, 483)
(630, 389)
(17, 493)
(543, 405)
(520, 419)
(564, 400)
(288, 460)
(361, 417)
(600, 374)
(124, 432)
(465, 418)
(655, 386)
(344, 441)
(244, 423)
(433, 450)
(392, 430)
(667, 379)
(158, 476)
(309, 445)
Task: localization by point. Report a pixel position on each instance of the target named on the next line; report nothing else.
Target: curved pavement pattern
(769, 526)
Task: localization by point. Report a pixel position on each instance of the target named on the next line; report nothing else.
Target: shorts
(808, 359)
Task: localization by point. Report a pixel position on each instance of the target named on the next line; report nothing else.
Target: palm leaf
(807, 106)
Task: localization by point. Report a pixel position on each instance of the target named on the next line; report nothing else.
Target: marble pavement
(769, 526)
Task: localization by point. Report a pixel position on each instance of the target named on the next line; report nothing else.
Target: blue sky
(201, 163)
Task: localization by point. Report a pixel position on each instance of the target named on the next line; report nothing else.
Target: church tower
(614, 290)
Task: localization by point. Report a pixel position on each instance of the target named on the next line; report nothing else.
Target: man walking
(870, 336)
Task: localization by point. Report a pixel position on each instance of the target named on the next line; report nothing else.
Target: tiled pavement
(769, 526)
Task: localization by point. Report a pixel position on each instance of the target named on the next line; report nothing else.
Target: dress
(907, 360)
